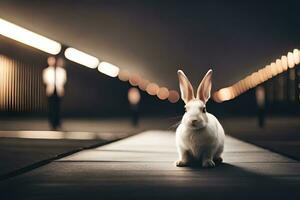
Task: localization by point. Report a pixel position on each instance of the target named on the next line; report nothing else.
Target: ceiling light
(29, 38)
(108, 69)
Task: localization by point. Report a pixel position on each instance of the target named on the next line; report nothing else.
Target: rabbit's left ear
(186, 89)
(203, 91)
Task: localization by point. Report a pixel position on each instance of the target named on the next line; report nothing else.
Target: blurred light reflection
(257, 78)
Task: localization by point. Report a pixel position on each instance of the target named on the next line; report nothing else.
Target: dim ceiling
(155, 38)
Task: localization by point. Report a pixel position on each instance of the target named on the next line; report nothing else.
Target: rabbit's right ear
(186, 89)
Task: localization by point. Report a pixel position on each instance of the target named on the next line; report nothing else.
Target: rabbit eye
(204, 110)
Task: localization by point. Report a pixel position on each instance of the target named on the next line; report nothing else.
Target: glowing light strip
(29, 38)
(81, 58)
(108, 69)
(47, 45)
(256, 78)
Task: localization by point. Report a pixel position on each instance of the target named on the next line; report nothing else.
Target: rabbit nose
(194, 122)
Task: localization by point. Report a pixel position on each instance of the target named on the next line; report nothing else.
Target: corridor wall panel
(21, 86)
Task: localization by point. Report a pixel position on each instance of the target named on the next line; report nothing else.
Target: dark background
(154, 39)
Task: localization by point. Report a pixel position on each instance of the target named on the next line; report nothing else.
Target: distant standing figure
(54, 77)
(134, 98)
(260, 101)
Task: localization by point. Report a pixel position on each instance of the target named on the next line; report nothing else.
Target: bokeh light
(258, 77)
(296, 56)
(143, 84)
(163, 93)
(269, 71)
(279, 66)
(284, 63)
(134, 79)
(290, 58)
(223, 94)
(123, 75)
(273, 69)
(173, 96)
(152, 89)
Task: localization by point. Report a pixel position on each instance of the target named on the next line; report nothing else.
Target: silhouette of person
(54, 77)
(134, 97)
(260, 101)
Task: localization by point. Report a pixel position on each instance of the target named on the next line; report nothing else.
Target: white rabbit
(200, 136)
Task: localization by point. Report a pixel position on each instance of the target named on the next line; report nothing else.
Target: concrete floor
(141, 167)
(280, 134)
(21, 154)
(29, 143)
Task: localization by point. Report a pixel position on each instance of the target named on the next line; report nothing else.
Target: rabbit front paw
(180, 163)
(218, 160)
(208, 164)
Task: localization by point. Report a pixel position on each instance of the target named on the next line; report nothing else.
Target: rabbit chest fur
(197, 142)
